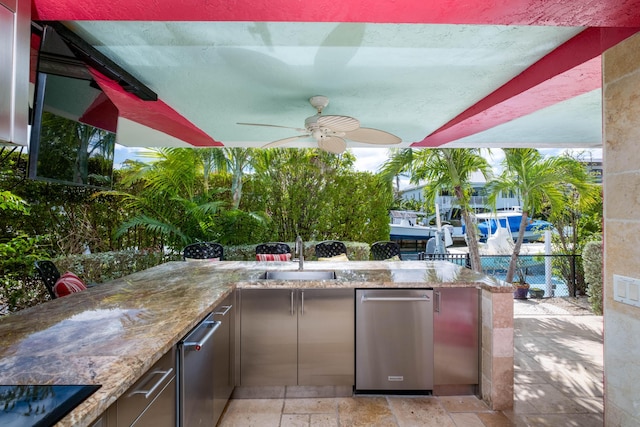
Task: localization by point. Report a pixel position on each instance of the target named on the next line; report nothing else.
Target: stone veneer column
(496, 376)
(621, 144)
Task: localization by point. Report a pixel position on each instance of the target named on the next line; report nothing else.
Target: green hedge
(592, 261)
(104, 266)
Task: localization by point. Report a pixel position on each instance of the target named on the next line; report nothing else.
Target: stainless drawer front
(135, 400)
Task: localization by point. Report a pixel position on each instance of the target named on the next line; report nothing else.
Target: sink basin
(298, 275)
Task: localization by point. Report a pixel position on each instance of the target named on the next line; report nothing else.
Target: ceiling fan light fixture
(319, 102)
(331, 131)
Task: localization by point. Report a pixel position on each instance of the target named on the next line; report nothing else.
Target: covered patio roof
(479, 73)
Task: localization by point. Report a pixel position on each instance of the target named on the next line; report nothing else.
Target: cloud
(123, 153)
(370, 159)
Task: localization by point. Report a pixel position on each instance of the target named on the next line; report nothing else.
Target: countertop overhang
(111, 334)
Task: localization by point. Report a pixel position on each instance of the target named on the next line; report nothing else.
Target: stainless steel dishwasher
(394, 340)
(196, 375)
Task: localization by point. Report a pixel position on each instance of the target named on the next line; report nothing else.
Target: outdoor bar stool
(49, 274)
(330, 248)
(203, 250)
(273, 251)
(385, 250)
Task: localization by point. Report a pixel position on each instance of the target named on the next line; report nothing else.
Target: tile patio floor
(558, 382)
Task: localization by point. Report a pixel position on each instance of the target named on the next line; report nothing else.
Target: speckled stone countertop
(113, 333)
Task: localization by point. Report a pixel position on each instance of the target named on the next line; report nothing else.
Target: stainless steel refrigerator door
(394, 339)
(196, 370)
(456, 336)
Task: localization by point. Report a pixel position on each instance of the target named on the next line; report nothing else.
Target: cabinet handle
(301, 303)
(197, 345)
(436, 307)
(292, 302)
(422, 298)
(149, 392)
(226, 310)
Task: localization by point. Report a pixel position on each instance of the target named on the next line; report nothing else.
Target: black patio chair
(330, 248)
(273, 248)
(381, 251)
(203, 250)
(49, 274)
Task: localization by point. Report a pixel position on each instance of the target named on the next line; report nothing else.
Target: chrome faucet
(300, 252)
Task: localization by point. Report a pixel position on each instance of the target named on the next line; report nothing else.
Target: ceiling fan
(331, 132)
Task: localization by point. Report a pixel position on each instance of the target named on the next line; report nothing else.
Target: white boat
(406, 230)
(489, 223)
(405, 225)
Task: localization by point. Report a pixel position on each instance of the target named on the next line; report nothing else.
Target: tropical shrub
(19, 288)
(18, 252)
(592, 260)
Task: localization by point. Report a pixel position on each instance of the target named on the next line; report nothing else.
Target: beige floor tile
(575, 420)
(252, 412)
(523, 407)
(236, 419)
(310, 406)
(419, 411)
(529, 377)
(366, 412)
(463, 404)
(547, 400)
(523, 362)
(257, 406)
(591, 404)
(466, 419)
(324, 420)
(495, 419)
(584, 384)
(295, 420)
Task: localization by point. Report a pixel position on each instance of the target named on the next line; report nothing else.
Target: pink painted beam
(572, 69)
(154, 114)
(588, 13)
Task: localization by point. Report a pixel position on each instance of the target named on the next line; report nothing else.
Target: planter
(536, 292)
(521, 291)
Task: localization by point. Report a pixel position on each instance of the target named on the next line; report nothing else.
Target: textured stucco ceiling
(517, 74)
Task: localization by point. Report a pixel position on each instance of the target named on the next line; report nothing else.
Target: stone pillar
(621, 180)
(496, 376)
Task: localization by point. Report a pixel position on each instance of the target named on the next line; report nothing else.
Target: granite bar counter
(112, 333)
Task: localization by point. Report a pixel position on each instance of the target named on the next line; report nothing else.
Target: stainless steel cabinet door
(268, 337)
(222, 356)
(151, 401)
(326, 337)
(160, 413)
(456, 331)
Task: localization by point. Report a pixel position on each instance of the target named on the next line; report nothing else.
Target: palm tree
(445, 170)
(170, 201)
(236, 161)
(539, 182)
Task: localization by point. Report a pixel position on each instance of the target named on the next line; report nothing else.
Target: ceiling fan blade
(332, 144)
(271, 126)
(373, 136)
(339, 123)
(284, 141)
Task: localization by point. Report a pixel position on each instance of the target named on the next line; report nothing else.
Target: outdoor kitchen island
(113, 333)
